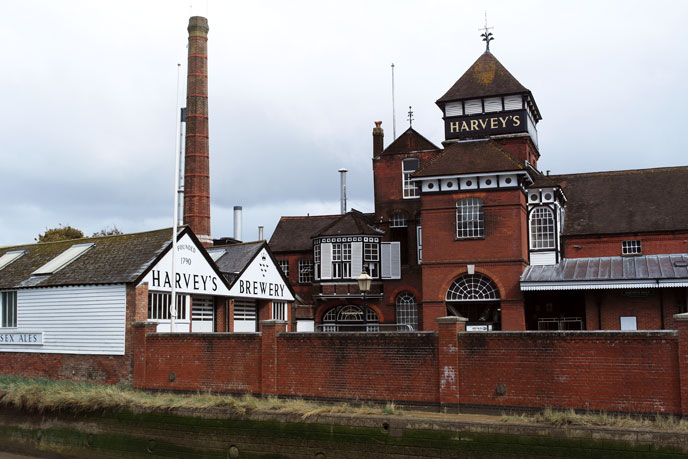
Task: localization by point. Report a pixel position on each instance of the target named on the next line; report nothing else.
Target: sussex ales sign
(466, 127)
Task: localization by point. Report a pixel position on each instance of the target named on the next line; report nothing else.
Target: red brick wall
(400, 367)
(596, 371)
(610, 246)
(613, 371)
(653, 311)
(107, 369)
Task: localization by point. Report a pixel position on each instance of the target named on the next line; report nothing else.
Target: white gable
(261, 279)
(193, 272)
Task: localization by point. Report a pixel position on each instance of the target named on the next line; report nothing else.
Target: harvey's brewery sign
(193, 273)
(483, 125)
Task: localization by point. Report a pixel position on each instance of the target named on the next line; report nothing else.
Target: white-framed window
(346, 260)
(398, 220)
(279, 310)
(336, 261)
(284, 266)
(542, 235)
(306, 270)
(159, 306)
(470, 221)
(371, 258)
(8, 309)
(472, 287)
(631, 247)
(410, 189)
(407, 309)
(419, 242)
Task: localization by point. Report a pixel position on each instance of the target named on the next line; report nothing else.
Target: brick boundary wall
(636, 372)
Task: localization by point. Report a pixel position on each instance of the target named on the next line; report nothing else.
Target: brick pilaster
(141, 329)
(448, 361)
(682, 326)
(268, 361)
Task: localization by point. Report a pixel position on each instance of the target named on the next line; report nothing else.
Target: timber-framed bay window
(8, 309)
(470, 219)
(542, 232)
(344, 258)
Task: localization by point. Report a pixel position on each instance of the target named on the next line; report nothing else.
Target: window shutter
(356, 259)
(395, 260)
(386, 259)
(326, 260)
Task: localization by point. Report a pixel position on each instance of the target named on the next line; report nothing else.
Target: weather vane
(487, 35)
(410, 116)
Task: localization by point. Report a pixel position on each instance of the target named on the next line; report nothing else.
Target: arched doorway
(349, 318)
(475, 297)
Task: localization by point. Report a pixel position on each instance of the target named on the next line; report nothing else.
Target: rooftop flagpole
(177, 153)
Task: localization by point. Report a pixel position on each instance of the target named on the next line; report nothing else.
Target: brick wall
(610, 246)
(614, 371)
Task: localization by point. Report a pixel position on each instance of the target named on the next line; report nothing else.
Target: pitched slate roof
(112, 260)
(486, 77)
(631, 201)
(473, 157)
(408, 142)
(351, 223)
(295, 233)
(236, 257)
(646, 271)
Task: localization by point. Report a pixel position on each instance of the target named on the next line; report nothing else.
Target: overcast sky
(87, 136)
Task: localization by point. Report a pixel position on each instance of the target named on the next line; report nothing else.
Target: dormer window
(410, 189)
(631, 247)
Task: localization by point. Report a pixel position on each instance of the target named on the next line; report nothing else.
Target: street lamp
(364, 281)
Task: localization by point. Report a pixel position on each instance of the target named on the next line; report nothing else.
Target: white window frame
(631, 247)
(398, 220)
(371, 258)
(419, 243)
(470, 219)
(279, 310)
(407, 309)
(410, 189)
(158, 306)
(305, 271)
(542, 231)
(316, 261)
(284, 266)
(8, 309)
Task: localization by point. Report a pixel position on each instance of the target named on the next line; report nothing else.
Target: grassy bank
(38, 394)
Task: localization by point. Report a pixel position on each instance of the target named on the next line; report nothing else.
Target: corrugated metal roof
(645, 271)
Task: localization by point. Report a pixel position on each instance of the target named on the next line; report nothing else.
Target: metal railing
(560, 323)
(363, 328)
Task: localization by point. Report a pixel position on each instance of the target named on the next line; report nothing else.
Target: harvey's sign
(261, 279)
(462, 127)
(193, 273)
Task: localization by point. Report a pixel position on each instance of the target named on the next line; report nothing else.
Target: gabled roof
(486, 77)
(236, 257)
(630, 201)
(351, 223)
(646, 271)
(294, 234)
(474, 157)
(408, 142)
(111, 260)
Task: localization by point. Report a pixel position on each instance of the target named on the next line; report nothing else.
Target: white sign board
(262, 280)
(193, 273)
(21, 338)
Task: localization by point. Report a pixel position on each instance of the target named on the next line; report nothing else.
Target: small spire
(410, 116)
(487, 35)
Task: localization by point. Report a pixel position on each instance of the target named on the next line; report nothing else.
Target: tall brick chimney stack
(378, 139)
(197, 158)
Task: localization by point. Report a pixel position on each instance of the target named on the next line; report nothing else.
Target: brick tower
(197, 158)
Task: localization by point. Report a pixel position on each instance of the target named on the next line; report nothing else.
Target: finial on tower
(487, 35)
(410, 116)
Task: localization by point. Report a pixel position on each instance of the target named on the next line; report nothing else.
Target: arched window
(407, 309)
(542, 234)
(470, 221)
(350, 315)
(473, 287)
(398, 220)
